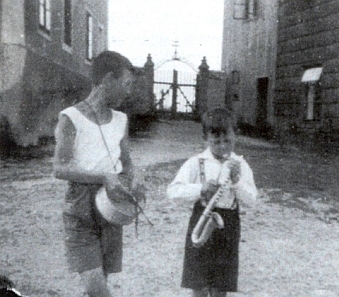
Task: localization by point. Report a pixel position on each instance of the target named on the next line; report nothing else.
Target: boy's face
(118, 89)
(221, 143)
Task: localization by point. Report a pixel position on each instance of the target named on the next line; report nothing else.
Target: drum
(118, 207)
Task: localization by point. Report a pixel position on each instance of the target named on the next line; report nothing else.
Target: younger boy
(213, 268)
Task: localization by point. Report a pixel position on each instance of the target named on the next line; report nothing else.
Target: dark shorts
(90, 241)
(216, 263)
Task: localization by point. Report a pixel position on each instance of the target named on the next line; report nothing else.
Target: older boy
(91, 150)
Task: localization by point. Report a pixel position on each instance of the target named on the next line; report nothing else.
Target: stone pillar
(149, 76)
(202, 87)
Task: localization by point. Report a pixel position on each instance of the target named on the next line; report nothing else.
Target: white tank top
(90, 152)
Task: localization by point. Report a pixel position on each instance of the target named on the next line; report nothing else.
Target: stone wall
(308, 36)
(36, 93)
(40, 75)
(36, 96)
(210, 89)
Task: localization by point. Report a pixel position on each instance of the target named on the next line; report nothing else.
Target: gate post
(149, 75)
(202, 87)
(174, 94)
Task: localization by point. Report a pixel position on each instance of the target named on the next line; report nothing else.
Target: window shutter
(68, 23)
(240, 9)
(41, 13)
(48, 15)
(89, 37)
(253, 9)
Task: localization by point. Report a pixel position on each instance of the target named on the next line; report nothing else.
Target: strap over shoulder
(202, 170)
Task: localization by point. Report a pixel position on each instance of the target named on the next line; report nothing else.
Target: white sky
(140, 27)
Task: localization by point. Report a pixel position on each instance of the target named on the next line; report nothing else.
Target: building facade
(249, 57)
(307, 77)
(46, 48)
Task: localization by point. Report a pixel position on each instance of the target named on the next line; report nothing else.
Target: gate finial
(203, 65)
(175, 45)
(149, 62)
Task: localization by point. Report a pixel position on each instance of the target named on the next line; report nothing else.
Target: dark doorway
(262, 89)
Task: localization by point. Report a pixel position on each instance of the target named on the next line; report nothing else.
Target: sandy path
(284, 252)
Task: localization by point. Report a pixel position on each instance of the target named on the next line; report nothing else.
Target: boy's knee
(95, 283)
(200, 293)
(115, 283)
(217, 293)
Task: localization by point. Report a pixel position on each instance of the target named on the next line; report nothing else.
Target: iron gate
(175, 97)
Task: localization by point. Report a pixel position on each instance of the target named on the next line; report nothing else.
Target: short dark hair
(219, 120)
(109, 61)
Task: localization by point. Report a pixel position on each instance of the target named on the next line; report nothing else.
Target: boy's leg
(115, 284)
(111, 249)
(217, 293)
(87, 256)
(95, 283)
(200, 293)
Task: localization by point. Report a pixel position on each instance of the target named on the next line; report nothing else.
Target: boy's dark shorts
(90, 241)
(216, 263)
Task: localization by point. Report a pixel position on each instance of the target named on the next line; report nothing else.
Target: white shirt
(187, 183)
(90, 151)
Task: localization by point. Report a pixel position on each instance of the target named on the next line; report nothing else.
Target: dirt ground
(289, 244)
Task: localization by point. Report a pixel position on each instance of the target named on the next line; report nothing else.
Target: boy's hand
(235, 171)
(209, 189)
(138, 182)
(110, 181)
(116, 188)
(125, 180)
(138, 192)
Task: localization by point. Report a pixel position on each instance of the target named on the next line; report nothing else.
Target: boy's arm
(184, 184)
(125, 157)
(245, 188)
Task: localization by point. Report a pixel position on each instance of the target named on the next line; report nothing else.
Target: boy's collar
(207, 155)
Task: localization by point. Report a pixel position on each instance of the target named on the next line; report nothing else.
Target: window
(235, 80)
(252, 9)
(311, 79)
(89, 51)
(245, 9)
(68, 22)
(45, 15)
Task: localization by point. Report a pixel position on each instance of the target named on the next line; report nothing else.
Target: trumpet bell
(217, 220)
(203, 233)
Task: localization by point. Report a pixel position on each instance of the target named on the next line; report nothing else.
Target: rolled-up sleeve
(185, 183)
(245, 188)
